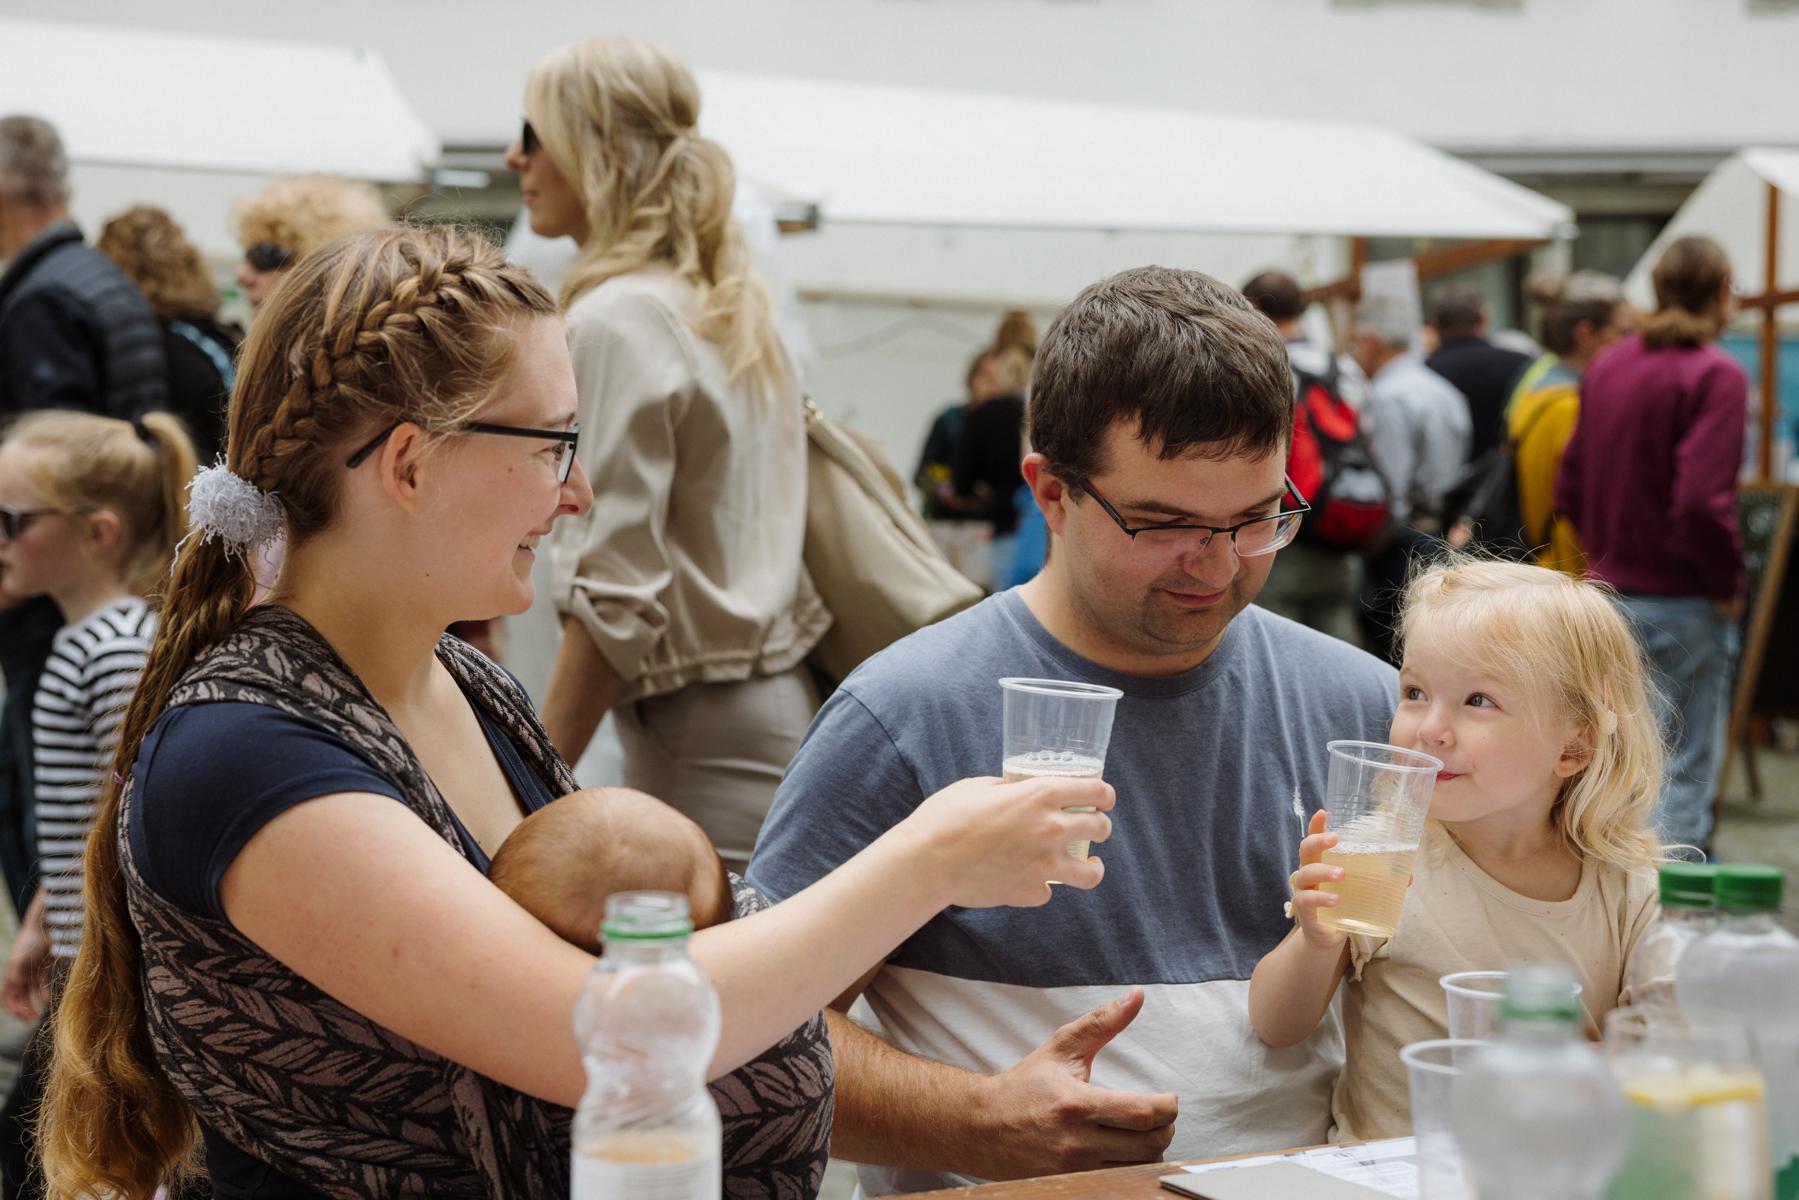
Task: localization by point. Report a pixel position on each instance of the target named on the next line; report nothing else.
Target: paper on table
(1390, 1166)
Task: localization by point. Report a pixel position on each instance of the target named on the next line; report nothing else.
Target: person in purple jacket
(1650, 481)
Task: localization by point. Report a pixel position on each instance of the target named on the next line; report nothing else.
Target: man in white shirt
(1418, 429)
(1418, 423)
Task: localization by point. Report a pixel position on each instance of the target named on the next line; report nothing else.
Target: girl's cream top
(1459, 918)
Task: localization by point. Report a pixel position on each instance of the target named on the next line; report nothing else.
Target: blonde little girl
(1529, 687)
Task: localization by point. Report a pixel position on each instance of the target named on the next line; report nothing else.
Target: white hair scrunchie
(229, 507)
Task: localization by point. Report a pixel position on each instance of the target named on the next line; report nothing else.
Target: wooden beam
(1770, 299)
(1473, 254)
(1430, 264)
(1770, 344)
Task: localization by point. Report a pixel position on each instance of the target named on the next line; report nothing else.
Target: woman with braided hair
(686, 608)
(293, 969)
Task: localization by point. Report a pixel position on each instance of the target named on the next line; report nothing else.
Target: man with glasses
(1016, 1042)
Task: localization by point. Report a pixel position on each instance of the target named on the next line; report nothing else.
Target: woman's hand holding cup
(992, 843)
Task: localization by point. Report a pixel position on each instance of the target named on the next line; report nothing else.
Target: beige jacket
(689, 566)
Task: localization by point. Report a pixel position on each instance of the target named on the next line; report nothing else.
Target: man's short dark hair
(1183, 356)
(1277, 295)
(1458, 308)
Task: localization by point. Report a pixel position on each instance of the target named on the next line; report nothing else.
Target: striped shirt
(75, 717)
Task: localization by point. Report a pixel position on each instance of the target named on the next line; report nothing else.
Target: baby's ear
(1577, 753)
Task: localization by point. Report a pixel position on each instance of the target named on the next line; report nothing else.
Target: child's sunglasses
(12, 520)
(268, 256)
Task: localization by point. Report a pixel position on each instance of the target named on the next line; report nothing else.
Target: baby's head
(563, 860)
(1552, 658)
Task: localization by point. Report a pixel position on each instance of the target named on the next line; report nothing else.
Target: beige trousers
(717, 751)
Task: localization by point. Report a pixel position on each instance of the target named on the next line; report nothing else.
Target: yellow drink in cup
(1373, 888)
(1056, 729)
(1032, 766)
(1376, 797)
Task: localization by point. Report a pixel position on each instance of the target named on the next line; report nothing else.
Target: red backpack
(1331, 466)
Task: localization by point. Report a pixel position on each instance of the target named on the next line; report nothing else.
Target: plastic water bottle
(1686, 890)
(1537, 1112)
(1747, 969)
(647, 1026)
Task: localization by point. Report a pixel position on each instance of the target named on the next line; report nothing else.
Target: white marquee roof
(886, 155)
(125, 97)
(1732, 207)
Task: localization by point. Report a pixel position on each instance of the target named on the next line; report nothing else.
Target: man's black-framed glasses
(1256, 536)
(565, 462)
(268, 256)
(13, 520)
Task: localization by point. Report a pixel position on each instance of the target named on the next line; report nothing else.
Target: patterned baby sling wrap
(338, 1103)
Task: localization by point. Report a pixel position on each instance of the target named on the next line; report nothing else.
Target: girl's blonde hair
(1565, 638)
(617, 116)
(155, 254)
(364, 333)
(84, 463)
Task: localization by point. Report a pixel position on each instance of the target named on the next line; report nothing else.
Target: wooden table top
(1140, 1182)
(1114, 1183)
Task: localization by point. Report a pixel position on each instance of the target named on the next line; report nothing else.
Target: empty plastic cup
(1431, 1069)
(1377, 797)
(1473, 998)
(1057, 729)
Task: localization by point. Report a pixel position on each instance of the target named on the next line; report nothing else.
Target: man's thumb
(1087, 1035)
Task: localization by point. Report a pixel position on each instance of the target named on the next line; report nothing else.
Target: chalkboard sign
(1767, 682)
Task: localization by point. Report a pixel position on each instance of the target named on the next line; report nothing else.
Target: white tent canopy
(199, 102)
(886, 155)
(1731, 206)
(194, 122)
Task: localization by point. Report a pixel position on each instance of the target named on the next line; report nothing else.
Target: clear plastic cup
(1377, 797)
(1474, 998)
(1431, 1069)
(1058, 729)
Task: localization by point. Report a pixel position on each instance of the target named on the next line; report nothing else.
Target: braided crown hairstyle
(401, 325)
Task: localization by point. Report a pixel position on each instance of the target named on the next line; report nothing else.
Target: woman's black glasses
(565, 463)
(268, 256)
(527, 138)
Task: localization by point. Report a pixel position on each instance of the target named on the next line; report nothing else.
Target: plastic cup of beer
(1431, 1069)
(1377, 797)
(1474, 998)
(1057, 729)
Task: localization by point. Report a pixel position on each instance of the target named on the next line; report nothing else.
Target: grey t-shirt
(1205, 764)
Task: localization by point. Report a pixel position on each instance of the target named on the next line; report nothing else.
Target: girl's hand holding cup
(1307, 897)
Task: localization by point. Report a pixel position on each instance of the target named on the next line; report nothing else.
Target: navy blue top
(209, 777)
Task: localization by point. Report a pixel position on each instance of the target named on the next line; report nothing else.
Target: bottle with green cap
(1746, 969)
(1536, 1112)
(647, 1023)
(1686, 892)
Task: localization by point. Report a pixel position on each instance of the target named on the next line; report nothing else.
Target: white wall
(1666, 73)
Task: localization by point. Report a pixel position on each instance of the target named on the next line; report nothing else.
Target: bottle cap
(1687, 884)
(1750, 887)
(1541, 993)
(646, 916)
